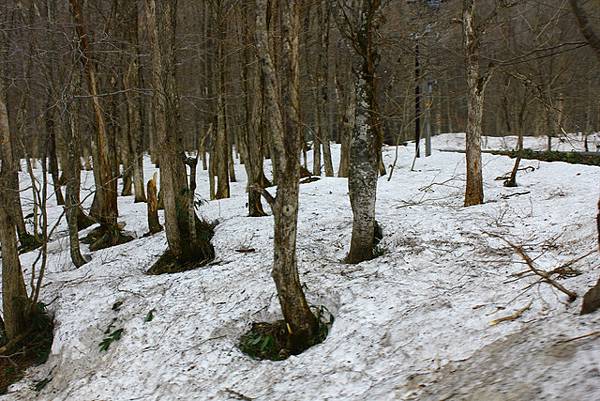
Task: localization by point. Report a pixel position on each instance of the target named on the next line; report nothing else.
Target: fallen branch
(506, 196)
(238, 395)
(513, 316)
(592, 334)
(546, 276)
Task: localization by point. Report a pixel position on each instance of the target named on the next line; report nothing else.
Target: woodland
(300, 200)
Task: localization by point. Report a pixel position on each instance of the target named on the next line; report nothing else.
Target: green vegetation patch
(272, 341)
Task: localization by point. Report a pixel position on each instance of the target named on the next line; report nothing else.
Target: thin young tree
(131, 84)
(251, 131)
(283, 122)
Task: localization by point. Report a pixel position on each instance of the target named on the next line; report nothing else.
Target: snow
(413, 324)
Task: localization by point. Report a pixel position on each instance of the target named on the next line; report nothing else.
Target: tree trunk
(253, 162)
(347, 128)
(134, 110)
(51, 147)
(322, 88)
(72, 173)
(365, 145)
(302, 324)
(107, 190)
(15, 303)
(180, 224)
(585, 26)
(221, 145)
(153, 222)
(475, 92)
(11, 182)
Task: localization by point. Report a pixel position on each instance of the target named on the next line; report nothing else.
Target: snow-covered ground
(413, 324)
(566, 143)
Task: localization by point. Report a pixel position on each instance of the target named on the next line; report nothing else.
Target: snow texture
(413, 324)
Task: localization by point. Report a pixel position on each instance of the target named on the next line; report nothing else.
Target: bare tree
(366, 140)
(187, 237)
(285, 137)
(15, 303)
(476, 84)
(106, 189)
(585, 26)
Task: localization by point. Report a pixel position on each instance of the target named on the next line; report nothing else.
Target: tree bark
(72, 205)
(365, 144)
(221, 145)
(302, 324)
(253, 162)
(585, 26)
(180, 221)
(52, 158)
(475, 96)
(322, 88)
(153, 222)
(107, 190)
(15, 302)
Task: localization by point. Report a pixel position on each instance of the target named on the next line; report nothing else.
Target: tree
(188, 238)
(285, 137)
(476, 84)
(106, 188)
(15, 303)
(251, 134)
(585, 26)
(366, 140)
(131, 81)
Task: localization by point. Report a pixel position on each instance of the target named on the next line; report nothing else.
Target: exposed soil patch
(272, 341)
(203, 254)
(31, 351)
(102, 238)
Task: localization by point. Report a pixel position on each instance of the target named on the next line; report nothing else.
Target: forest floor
(441, 315)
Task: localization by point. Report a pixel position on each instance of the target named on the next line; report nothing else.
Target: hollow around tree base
(272, 340)
(30, 351)
(168, 263)
(105, 237)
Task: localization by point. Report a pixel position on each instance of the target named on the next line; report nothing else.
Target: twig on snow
(592, 334)
(546, 276)
(513, 316)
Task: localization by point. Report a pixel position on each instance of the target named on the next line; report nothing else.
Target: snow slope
(413, 324)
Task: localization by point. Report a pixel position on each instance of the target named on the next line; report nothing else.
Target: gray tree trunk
(475, 96)
(365, 144)
(286, 146)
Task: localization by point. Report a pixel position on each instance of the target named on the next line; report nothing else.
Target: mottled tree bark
(302, 324)
(10, 164)
(365, 144)
(475, 96)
